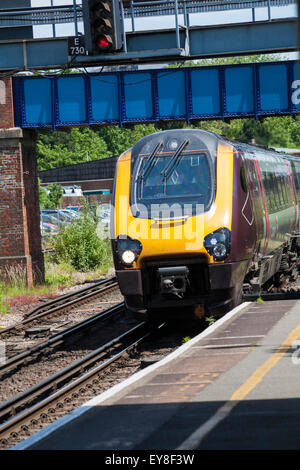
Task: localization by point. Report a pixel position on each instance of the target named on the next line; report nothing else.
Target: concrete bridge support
(20, 236)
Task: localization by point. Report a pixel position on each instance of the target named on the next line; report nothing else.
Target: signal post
(20, 235)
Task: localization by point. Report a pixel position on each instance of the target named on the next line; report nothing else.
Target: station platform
(234, 386)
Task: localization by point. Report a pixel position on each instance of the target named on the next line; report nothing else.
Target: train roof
(248, 147)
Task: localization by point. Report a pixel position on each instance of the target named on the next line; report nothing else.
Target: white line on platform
(43, 433)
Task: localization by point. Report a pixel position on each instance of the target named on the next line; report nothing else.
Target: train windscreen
(172, 181)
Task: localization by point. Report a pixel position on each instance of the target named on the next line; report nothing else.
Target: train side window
(272, 201)
(243, 178)
(274, 189)
(264, 175)
(284, 189)
(289, 190)
(279, 191)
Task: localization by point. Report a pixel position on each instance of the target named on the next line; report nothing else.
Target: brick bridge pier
(20, 235)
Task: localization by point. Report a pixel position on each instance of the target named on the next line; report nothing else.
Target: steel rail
(134, 336)
(291, 294)
(41, 308)
(58, 338)
(56, 305)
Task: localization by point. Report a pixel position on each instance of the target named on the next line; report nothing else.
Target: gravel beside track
(47, 362)
(26, 335)
(161, 343)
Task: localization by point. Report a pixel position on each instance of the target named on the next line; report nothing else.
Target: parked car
(50, 219)
(103, 211)
(75, 208)
(69, 213)
(48, 229)
(58, 214)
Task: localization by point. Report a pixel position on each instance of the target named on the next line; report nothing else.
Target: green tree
(55, 195)
(243, 59)
(116, 139)
(50, 199)
(140, 131)
(43, 196)
(58, 148)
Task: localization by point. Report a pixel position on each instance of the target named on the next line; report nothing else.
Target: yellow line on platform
(194, 440)
(259, 374)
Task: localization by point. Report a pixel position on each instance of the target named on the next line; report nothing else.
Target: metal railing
(132, 10)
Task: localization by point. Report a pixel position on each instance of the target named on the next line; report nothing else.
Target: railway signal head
(102, 26)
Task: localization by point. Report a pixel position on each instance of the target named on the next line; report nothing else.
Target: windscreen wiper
(174, 161)
(151, 162)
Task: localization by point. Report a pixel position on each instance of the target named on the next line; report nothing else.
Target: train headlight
(220, 251)
(128, 257)
(218, 244)
(128, 250)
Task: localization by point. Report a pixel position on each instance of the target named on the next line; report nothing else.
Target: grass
(63, 274)
(4, 306)
(58, 276)
(78, 256)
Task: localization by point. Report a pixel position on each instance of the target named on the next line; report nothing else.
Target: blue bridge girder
(158, 45)
(165, 94)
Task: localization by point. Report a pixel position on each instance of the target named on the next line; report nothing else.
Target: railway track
(282, 290)
(47, 318)
(72, 298)
(22, 371)
(57, 340)
(26, 412)
(291, 294)
(68, 387)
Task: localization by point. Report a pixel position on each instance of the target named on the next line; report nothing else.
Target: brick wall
(81, 200)
(6, 103)
(72, 201)
(20, 238)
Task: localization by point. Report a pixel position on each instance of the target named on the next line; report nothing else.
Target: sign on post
(76, 45)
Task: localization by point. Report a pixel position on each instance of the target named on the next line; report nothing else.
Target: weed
(4, 305)
(185, 339)
(210, 320)
(14, 276)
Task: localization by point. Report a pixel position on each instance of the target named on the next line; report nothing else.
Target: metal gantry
(132, 9)
(176, 41)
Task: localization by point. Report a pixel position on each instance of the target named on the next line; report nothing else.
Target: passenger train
(199, 218)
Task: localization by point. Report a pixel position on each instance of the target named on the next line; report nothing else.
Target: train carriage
(198, 218)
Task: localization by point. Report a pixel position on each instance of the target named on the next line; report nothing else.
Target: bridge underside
(169, 94)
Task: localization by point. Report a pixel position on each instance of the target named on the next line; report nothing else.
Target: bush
(79, 245)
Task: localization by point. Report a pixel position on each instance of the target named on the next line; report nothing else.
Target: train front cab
(205, 264)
